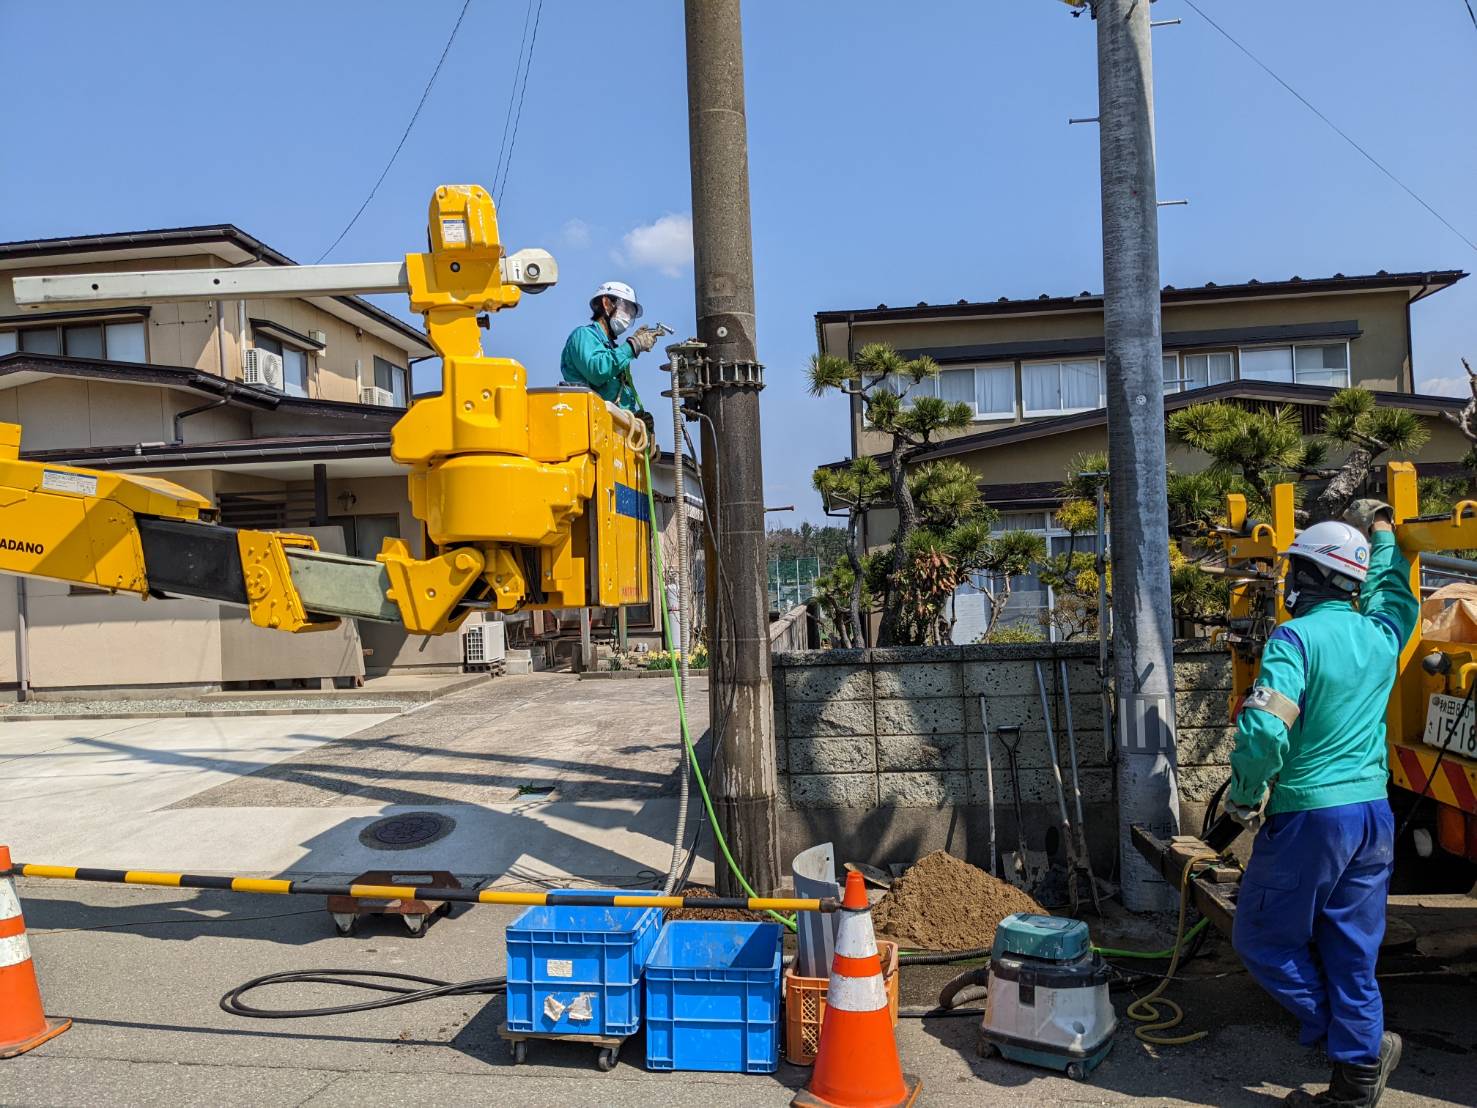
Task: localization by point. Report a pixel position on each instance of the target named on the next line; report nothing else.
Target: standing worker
(595, 356)
(1308, 778)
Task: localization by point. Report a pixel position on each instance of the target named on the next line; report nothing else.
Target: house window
(1055, 388)
(1204, 370)
(1311, 364)
(114, 342)
(1172, 382)
(391, 378)
(294, 363)
(988, 389)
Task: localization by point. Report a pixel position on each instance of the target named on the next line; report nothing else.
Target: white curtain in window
(1273, 363)
(294, 372)
(1196, 370)
(1171, 373)
(1221, 368)
(397, 387)
(995, 390)
(125, 342)
(1041, 385)
(957, 386)
(1080, 384)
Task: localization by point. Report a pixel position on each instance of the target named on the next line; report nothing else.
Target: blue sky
(898, 152)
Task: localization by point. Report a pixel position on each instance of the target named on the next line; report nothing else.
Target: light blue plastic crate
(577, 971)
(713, 997)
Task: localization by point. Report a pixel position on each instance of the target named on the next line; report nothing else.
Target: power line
(1335, 127)
(512, 94)
(1470, 12)
(400, 145)
(518, 116)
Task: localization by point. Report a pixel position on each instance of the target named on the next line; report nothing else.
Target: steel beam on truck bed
(1216, 899)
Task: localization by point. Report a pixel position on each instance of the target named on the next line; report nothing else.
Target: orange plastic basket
(805, 1006)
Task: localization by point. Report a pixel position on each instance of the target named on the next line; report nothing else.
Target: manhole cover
(406, 832)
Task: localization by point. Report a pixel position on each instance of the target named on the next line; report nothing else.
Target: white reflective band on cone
(856, 994)
(10, 904)
(854, 938)
(14, 951)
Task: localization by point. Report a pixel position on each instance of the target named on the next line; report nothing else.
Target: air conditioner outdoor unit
(380, 398)
(264, 369)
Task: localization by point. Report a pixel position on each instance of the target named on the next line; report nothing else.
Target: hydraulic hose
(375, 980)
(684, 615)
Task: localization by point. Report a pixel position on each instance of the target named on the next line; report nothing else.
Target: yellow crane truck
(528, 498)
(1431, 723)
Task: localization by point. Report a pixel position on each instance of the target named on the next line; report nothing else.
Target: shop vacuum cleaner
(1048, 996)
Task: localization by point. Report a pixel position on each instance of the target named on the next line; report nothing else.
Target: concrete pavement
(547, 780)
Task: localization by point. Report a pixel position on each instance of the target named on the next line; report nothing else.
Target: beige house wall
(189, 334)
(1379, 359)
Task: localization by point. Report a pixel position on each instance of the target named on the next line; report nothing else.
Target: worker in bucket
(597, 357)
(1308, 778)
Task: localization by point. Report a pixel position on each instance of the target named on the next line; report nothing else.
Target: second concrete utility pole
(1143, 630)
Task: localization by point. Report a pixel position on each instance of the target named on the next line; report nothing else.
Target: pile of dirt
(944, 903)
(731, 915)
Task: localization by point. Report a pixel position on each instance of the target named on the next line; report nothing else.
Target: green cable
(1114, 952)
(697, 772)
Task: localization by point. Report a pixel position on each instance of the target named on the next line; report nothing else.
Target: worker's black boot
(1354, 1086)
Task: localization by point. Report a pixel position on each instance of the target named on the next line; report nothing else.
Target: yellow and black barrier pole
(279, 887)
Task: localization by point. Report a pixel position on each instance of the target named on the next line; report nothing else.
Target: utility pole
(741, 700)
(1143, 633)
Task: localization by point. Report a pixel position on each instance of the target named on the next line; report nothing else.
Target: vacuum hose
(971, 985)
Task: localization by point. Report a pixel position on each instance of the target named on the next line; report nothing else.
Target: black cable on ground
(939, 1013)
(433, 988)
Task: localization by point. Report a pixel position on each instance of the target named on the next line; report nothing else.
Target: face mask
(620, 319)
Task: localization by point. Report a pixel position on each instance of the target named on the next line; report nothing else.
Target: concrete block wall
(884, 751)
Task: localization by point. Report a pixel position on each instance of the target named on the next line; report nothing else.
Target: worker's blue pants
(1310, 917)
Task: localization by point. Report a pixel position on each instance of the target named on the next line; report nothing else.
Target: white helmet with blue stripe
(1336, 547)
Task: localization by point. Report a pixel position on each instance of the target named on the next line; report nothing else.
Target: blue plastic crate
(577, 971)
(713, 998)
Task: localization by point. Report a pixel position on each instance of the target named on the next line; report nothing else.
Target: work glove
(642, 341)
(1248, 816)
(1363, 514)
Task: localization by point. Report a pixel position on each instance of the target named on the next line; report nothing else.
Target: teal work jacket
(1337, 665)
(592, 358)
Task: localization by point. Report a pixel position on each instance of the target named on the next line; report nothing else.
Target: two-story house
(1032, 371)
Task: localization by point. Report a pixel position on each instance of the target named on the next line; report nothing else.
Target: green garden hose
(697, 772)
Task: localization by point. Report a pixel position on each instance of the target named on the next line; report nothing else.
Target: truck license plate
(1441, 714)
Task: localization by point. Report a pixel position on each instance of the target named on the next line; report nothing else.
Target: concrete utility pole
(1143, 639)
(741, 698)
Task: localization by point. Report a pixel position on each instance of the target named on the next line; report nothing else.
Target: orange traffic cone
(23, 1024)
(857, 1064)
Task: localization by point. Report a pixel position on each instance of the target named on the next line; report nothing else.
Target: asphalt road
(141, 970)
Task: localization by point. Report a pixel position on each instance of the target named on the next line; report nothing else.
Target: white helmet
(617, 290)
(1336, 547)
